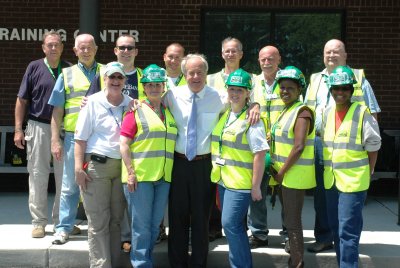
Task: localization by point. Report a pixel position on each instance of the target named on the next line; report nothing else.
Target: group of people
(198, 144)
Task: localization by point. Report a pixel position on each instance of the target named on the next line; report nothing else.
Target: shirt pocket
(208, 121)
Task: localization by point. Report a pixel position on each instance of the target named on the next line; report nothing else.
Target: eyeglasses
(119, 77)
(123, 48)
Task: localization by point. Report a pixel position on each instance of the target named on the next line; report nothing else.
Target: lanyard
(162, 115)
(51, 70)
(328, 96)
(178, 80)
(115, 118)
(226, 125)
(269, 101)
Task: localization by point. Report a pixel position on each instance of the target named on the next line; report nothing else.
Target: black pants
(190, 198)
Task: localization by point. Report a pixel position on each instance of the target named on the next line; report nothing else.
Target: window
(299, 35)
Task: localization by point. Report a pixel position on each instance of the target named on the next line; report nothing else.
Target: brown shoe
(38, 231)
(256, 242)
(319, 247)
(75, 230)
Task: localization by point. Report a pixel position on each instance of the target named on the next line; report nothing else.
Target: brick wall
(372, 37)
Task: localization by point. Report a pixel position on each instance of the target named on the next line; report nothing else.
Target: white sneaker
(60, 238)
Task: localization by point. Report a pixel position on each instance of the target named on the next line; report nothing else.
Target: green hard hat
(291, 72)
(153, 73)
(239, 78)
(341, 75)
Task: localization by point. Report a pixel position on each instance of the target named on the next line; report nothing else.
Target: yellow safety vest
(345, 159)
(270, 109)
(139, 74)
(237, 173)
(317, 80)
(152, 148)
(76, 85)
(217, 80)
(302, 174)
(181, 81)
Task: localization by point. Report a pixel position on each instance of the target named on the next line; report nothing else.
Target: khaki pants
(104, 204)
(38, 154)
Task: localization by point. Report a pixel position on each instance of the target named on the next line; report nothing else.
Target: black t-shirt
(37, 86)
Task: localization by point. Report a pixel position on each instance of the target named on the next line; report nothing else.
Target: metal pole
(89, 18)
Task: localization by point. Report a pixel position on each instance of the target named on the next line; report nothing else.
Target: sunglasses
(119, 77)
(123, 48)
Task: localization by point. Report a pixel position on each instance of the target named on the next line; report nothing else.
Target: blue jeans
(234, 208)
(322, 231)
(69, 197)
(257, 215)
(346, 222)
(147, 206)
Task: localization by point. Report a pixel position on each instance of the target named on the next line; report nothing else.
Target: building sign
(28, 34)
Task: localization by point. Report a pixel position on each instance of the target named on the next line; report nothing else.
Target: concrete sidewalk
(379, 245)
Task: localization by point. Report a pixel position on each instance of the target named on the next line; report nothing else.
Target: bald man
(318, 98)
(266, 93)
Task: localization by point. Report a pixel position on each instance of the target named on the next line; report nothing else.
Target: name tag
(271, 96)
(220, 162)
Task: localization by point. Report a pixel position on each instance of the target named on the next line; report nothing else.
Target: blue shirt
(57, 97)
(36, 87)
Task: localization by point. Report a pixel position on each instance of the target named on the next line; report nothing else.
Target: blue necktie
(191, 134)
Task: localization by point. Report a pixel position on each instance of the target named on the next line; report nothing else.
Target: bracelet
(18, 130)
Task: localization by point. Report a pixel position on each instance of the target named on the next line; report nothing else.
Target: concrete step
(379, 244)
(17, 249)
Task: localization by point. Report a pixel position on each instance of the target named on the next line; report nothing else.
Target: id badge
(220, 162)
(272, 96)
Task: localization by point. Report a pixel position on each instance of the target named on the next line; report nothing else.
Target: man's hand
(253, 113)
(84, 102)
(57, 150)
(81, 179)
(278, 176)
(19, 138)
(256, 193)
(134, 105)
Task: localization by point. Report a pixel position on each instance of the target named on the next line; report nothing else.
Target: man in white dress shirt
(191, 191)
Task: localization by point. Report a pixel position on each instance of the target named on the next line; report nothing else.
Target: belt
(38, 119)
(196, 158)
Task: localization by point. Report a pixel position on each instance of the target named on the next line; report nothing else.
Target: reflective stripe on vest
(237, 172)
(302, 174)
(345, 161)
(76, 85)
(152, 148)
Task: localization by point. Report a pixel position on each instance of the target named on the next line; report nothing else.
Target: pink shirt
(129, 126)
